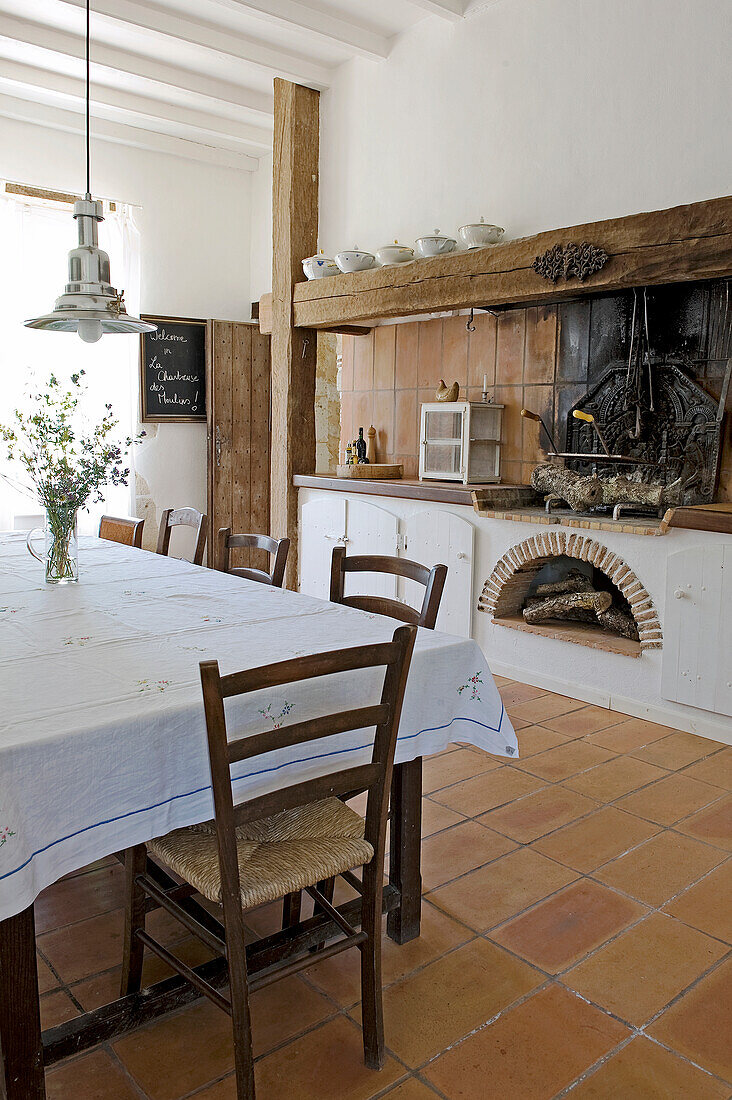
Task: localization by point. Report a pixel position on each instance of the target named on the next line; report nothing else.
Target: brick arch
(506, 588)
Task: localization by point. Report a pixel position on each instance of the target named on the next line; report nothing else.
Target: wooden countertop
(700, 517)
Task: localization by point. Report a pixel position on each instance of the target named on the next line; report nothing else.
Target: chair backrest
(433, 580)
(183, 517)
(277, 548)
(124, 529)
(375, 777)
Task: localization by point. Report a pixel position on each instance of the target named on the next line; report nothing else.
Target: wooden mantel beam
(664, 246)
(294, 235)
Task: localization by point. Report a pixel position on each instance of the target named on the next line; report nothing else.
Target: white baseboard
(715, 726)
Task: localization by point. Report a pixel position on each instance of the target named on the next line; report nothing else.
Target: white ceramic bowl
(480, 234)
(394, 254)
(354, 260)
(319, 267)
(434, 245)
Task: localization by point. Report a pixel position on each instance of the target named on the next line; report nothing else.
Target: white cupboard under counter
(418, 526)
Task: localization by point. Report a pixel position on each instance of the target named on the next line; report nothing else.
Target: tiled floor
(577, 923)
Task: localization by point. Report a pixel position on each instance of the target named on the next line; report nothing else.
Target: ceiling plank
(57, 89)
(316, 25)
(23, 31)
(446, 9)
(70, 122)
(222, 41)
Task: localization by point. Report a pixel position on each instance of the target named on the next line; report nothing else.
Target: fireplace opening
(574, 589)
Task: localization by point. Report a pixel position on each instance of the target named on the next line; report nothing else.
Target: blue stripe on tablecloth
(236, 779)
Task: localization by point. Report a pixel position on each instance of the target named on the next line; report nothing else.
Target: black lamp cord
(88, 154)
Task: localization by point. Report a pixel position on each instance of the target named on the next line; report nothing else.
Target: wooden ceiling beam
(294, 351)
(453, 10)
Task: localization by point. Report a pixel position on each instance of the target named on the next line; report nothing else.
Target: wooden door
(370, 530)
(238, 402)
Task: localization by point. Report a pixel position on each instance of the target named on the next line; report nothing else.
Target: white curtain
(35, 237)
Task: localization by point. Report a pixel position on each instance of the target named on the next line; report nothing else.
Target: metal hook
(470, 326)
(304, 347)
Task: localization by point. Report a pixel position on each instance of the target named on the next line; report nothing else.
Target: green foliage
(67, 462)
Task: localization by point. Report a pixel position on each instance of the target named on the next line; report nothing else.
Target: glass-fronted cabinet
(460, 441)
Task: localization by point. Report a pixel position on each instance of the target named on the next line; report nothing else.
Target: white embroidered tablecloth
(102, 733)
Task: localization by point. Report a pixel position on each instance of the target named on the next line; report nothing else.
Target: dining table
(103, 746)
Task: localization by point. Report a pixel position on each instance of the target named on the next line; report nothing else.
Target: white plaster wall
(627, 684)
(194, 222)
(260, 275)
(533, 113)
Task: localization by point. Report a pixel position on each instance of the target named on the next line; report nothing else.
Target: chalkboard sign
(173, 371)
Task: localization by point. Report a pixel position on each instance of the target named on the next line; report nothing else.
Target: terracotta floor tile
(99, 990)
(484, 792)
(534, 739)
(436, 817)
(515, 692)
(325, 1064)
(565, 760)
(587, 720)
(633, 734)
(677, 750)
(671, 799)
(411, 1089)
(492, 894)
(78, 898)
(517, 721)
(530, 1053)
(716, 769)
(713, 824)
(643, 1070)
(340, 977)
(566, 926)
(539, 813)
(638, 973)
(614, 778)
(94, 1076)
(179, 1053)
(437, 1006)
(503, 681)
(85, 947)
(283, 1010)
(46, 978)
(462, 848)
(662, 867)
(443, 771)
(708, 905)
(546, 706)
(700, 1024)
(587, 844)
(56, 1008)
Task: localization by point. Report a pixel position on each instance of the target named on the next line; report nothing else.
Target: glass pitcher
(60, 556)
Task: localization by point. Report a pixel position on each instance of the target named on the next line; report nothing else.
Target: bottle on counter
(349, 454)
(361, 447)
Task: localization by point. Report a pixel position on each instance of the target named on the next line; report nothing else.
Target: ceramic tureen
(479, 234)
(434, 245)
(354, 260)
(394, 254)
(319, 267)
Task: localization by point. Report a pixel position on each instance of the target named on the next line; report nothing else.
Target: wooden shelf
(665, 246)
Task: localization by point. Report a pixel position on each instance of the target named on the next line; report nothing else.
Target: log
(618, 490)
(575, 581)
(563, 607)
(581, 491)
(619, 622)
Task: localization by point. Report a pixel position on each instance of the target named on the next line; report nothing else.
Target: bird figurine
(443, 393)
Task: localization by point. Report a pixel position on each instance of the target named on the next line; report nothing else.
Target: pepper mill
(371, 445)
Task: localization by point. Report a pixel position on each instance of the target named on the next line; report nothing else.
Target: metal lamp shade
(89, 298)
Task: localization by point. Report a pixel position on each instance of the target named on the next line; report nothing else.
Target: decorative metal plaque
(570, 261)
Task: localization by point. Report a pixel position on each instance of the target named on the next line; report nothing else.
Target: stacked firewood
(576, 598)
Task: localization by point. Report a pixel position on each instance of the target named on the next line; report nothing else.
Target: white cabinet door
(436, 537)
(697, 666)
(370, 530)
(322, 526)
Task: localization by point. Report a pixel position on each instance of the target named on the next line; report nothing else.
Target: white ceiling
(188, 77)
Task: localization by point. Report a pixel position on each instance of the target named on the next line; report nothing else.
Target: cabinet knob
(462, 557)
(680, 594)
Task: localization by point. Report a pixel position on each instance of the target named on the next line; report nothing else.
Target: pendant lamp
(90, 305)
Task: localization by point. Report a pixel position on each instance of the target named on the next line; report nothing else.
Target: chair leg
(327, 889)
(371, 1000)
(291, 906)
(135, 860)
(240, 1016)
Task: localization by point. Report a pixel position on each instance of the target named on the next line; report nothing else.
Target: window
(36, 235)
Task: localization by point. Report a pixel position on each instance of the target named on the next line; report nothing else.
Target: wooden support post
(21, 1053)
(405, 845)
(294, 236)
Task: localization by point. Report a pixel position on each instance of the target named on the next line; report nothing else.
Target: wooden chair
(278, 548)
(433, 580)
(242, 858)
(183, 517)
(123, 529)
